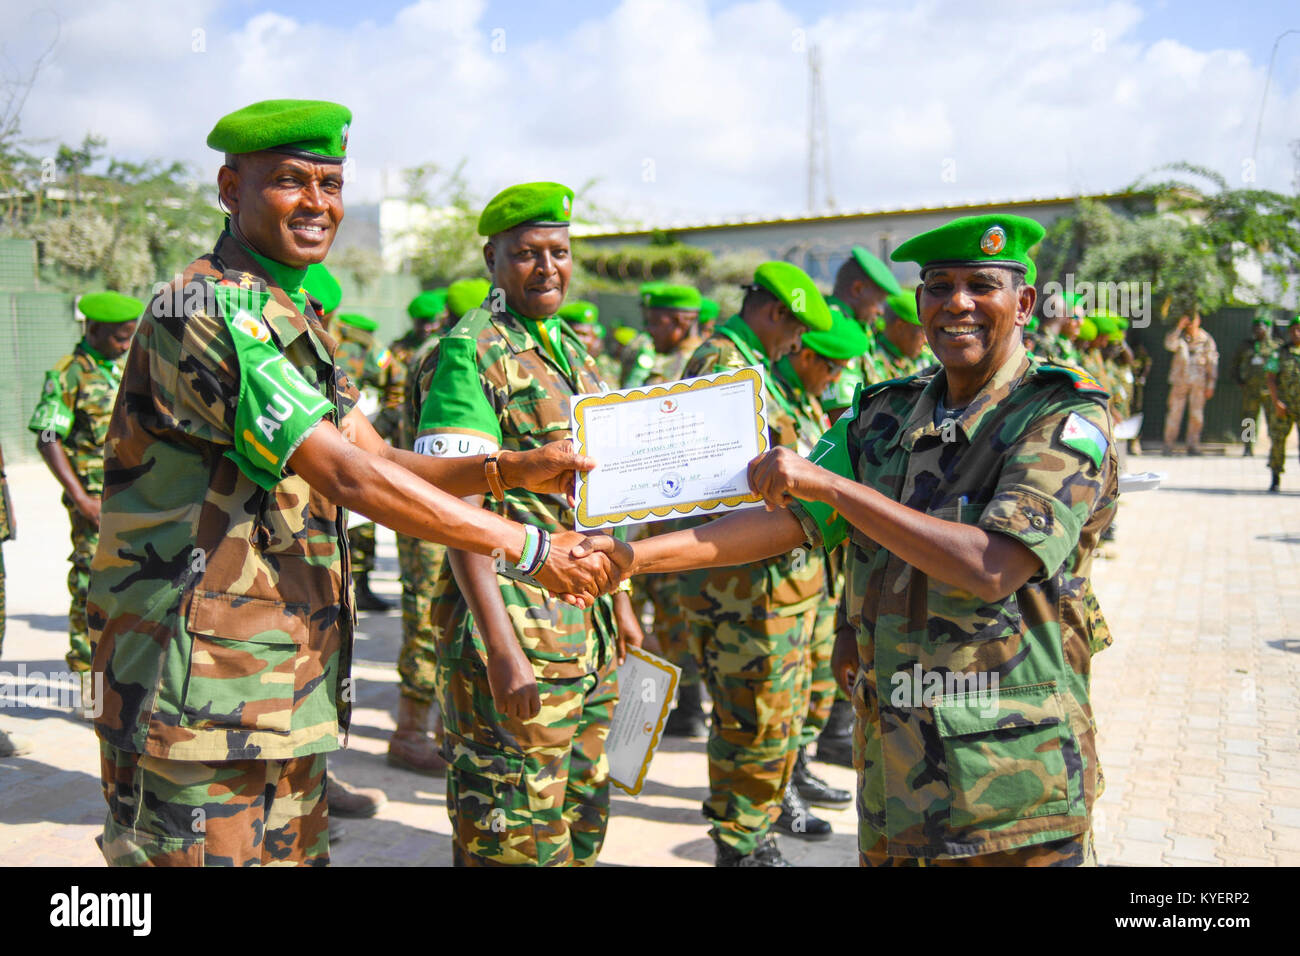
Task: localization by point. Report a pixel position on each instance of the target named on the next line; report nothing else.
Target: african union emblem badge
(343, 134)
(251, 326)
(993, 241)
(564, 202)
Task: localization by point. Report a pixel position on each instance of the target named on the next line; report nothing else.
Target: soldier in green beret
(862, 285)
(527, 684)
(970, 498)
(1283, 383)
(750, 626)
(220, 605)
(1250, 366)
(901, 348)
(806, 374)
(709, 312)
(71, 423)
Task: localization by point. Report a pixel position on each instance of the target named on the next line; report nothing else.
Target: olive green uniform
(1284, 366)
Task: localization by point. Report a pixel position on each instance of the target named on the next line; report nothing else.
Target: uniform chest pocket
(954, 614)
(243, 662)
(1009, 753)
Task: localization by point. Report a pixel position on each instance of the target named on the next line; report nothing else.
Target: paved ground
(1197, 700)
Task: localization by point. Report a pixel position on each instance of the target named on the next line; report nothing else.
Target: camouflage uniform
(367, 364)
(1194, 369)
(532, 792)
(822, 689)
(6, 534)
(76, 405)
(638, 360)
(1284, 365)
(867, 369)
(898, 365)
(1251, 363)
(219, 605)
(943, 770)
(660, 590)
(418, 561)
(750, 630)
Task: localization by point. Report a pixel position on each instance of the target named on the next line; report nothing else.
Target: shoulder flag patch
(1084, 437)
(1082, 381)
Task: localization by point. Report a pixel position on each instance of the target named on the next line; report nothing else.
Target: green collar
(790, 377)
(286, 277)
(94, 353)
(750, 347)
(549, 336)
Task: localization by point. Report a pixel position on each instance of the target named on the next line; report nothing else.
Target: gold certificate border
(705, 505)
(672, 672)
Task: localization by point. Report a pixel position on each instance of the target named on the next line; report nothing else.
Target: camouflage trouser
(670, 630)
(1072, 851)
(361, 545)
(1192, 397)
(226, 813)
(417, 660)
(1279, 429)
(526, 793)
(756, 673)
(85, 536)
(822, 691)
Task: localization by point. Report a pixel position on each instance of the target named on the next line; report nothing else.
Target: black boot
(1275, 487)
(835, 743)
(368, 600)
(687, 718)
(767, 853)
(813, 788)
(797, 818)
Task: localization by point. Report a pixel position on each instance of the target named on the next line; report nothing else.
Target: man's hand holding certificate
(669, 450)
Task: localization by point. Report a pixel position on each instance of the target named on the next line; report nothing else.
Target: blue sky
(688, 110)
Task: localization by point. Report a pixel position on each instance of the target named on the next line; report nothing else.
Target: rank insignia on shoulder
(1084, 437)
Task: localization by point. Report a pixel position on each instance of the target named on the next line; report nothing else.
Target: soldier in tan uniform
(1192, 377)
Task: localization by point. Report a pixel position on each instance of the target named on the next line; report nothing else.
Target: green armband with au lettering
(51, 413)
(832, 453)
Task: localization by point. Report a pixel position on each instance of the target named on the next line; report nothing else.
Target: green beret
(876, 270)
(994, 239)
(362, 322)
(845, 339)
(579, 312)
(313, 129)
(650, 286)
(1263, 318)
(321, 285)
(1072, 300)
(428, 305)
(1105, 323)
(1087, 330)
(544, 204)
(110, 307)
(466, 294)
(796, 292)
(663, 296)
(709, 309)
(1294, 322)
(1120, 321)
(623, 334)
(903, 305)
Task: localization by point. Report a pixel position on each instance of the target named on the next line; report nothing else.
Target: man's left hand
(549, 470)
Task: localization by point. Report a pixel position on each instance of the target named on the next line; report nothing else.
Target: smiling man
(970, 498)
(528, 684)
(219, 606)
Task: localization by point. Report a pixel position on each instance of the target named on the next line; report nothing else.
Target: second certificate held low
(670, 450)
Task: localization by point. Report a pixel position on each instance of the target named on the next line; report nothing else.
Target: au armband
(51, 414)
(831, 453)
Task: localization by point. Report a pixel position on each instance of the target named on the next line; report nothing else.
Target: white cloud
(682, 111)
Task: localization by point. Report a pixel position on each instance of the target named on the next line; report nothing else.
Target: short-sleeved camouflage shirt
(219, 607)
(492, 383)
(979, 733)
(1284, 366)
(76, 404)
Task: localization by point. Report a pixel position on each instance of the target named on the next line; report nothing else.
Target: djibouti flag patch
(1084, 437)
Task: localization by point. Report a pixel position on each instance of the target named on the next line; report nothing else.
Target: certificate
(645, 693)
(664, 451)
